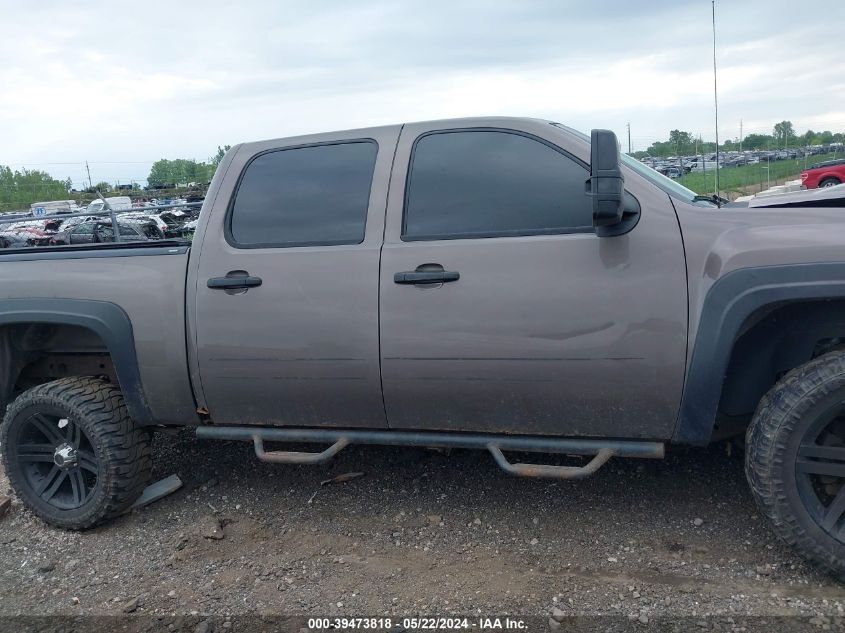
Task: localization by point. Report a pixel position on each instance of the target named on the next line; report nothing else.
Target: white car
(139, 217)
(117, 203)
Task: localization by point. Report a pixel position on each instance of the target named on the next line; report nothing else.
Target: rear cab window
(316, 195)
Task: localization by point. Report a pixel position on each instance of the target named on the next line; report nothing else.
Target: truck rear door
(502, 311)
(286, 308)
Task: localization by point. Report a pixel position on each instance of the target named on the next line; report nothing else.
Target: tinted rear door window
(307, 196)
(492, 184)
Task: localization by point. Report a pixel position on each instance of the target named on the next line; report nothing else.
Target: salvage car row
(677, 166)
(174, 219)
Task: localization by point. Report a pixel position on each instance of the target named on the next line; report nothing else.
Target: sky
(121, 84)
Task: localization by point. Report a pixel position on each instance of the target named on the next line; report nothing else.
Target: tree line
(19, 189)
(185, 171)
(681, 143)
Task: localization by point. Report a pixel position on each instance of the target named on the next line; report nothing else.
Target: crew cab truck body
(446, 283)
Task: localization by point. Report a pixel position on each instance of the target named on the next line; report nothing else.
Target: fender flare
(107, 320)
(729, 303)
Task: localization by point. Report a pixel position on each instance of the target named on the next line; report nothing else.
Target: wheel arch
(734, 306)
(106, 320)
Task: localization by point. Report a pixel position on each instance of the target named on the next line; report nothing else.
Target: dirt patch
(420, 533)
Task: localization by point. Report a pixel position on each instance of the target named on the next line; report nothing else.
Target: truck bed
(144, 279)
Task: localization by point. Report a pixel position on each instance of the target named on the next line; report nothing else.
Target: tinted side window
(309, 196)
(487, 184)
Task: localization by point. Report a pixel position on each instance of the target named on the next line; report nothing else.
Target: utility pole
(629, 138)
(90, 183)
(740, 135)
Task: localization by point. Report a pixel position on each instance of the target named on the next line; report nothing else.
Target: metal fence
(742, 173)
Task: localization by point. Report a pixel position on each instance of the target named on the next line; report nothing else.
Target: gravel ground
(421, 532)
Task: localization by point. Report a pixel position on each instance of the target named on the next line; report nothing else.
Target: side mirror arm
(630, 218)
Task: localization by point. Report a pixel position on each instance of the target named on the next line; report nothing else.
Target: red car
(825, 174)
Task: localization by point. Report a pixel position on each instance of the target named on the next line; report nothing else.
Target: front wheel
(830, 182)
(73, 454)
(795, 460)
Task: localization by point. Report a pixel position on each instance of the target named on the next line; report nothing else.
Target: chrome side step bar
(601, 449)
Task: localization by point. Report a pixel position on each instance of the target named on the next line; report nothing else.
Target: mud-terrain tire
(795, 460)
(830, 182)
(72, 453)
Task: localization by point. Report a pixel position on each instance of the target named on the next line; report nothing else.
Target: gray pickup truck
(503, 284)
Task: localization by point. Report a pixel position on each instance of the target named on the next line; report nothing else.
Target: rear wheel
(795, 460)
(830, 182)
(72, 453)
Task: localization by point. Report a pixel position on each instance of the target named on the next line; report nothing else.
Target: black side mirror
(606, 184)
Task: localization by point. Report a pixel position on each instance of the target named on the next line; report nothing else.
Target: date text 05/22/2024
(481, 623)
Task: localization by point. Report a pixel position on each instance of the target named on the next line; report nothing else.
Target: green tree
(824, 138)
(683, 142)
(679, 143)
(159, 173)
(660, 148)
(757, 141)
(807, 137)
(103, 187)
(784, 132)
(221, 152)
(180, 171)
(19, 189)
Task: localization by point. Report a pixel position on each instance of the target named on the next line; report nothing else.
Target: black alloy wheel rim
(820, 470)
(57, 460)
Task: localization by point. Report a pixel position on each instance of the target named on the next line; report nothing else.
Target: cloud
(124, 83)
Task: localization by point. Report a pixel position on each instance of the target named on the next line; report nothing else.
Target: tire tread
(766, 445)
(126, 454)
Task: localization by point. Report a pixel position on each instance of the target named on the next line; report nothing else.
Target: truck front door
(286, 319)
(502, 311)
